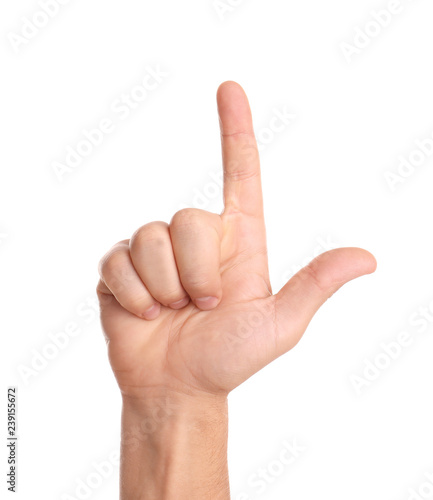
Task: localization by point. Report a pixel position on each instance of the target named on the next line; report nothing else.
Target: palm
(207, 350)
(215, 350)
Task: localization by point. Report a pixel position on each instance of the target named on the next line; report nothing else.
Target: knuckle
(312, 271)
(153, 232)
(187, 217)
(240, 174)
(169, 297)
(113, 263)
(138, 303)
(195, 280)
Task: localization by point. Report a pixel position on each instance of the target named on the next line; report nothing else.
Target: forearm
(174, 448)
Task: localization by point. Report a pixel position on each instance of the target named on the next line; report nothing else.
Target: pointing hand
(188, 307)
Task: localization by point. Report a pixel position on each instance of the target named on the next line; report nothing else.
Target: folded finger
(153, 258)
(196, 239)
(121, 279)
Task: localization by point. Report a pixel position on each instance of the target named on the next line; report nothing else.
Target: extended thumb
(297, 302)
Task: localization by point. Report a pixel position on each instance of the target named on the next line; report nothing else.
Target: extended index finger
(242, 183)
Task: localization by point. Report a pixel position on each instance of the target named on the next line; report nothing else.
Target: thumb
(297, 302)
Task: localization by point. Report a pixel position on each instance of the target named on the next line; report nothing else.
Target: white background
(324, 181)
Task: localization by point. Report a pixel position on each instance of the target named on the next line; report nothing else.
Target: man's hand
(193, 309)
(187, 307)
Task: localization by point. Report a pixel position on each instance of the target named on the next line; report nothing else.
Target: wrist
(163, 416)
(174, 446)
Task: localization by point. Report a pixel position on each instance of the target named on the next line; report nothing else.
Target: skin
(188, 314)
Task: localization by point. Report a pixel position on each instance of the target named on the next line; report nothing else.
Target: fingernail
(152, 312)
(206, 303)
(180, 303)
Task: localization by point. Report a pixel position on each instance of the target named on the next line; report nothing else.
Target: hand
(187, 306)
(188, 314)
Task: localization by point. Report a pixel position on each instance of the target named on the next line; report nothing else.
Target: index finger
(242, 183)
